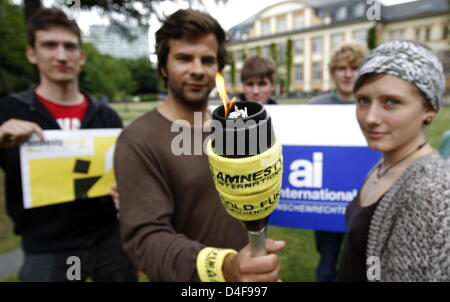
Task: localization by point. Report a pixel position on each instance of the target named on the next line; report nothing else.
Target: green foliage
(259, 50)
(372, 37)
(143, 73)
(273, 53)
(289, 64)
(136, 12)
(15, 71)
(104, 75)
(149, 97)
(275, 58)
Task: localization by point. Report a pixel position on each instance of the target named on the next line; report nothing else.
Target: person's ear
(30, 54)
(163, 71)
(82, 58)
(429, 115)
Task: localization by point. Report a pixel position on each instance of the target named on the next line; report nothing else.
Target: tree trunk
(31, 6)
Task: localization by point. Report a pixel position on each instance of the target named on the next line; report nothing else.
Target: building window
(317, 72)
(317, 45)
(428, 33)
(341, 13)
(298, 47)
(397, 34)
(266, 51)
(239, 55)
(298, 22)
(392, 35)
(361, 36)
(298, 73)
(358, 10)
(417, 35)
(266, 28)
(252, 52)
(281, 25)
(337, 40)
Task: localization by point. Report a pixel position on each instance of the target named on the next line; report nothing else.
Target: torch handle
(258, 242)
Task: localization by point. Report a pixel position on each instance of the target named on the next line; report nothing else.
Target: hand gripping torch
(246, 162)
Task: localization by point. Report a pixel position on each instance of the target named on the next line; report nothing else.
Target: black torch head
(245, 135)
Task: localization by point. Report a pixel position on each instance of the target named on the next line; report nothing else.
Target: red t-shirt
(68, 117)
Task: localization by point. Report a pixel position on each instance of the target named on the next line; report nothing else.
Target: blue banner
(318, 183)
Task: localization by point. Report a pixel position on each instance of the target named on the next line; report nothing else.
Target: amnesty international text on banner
(326, 159)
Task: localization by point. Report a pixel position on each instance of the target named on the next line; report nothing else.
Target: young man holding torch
(173, 224)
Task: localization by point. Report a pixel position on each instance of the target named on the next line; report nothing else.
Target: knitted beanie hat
(411, 62)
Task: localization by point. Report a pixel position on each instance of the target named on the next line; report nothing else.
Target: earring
(428, 120)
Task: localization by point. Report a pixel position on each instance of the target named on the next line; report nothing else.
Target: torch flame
(227, 104)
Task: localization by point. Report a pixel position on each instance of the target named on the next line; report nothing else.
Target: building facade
(300, 36)
(107, 41)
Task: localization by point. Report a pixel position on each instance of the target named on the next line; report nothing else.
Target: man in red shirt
(85, 228)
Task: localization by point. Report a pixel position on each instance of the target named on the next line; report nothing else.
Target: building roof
(323, 8)
(414, 9)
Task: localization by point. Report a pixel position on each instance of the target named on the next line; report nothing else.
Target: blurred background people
(258, 78)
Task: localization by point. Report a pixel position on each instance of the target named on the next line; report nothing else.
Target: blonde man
(344, 71)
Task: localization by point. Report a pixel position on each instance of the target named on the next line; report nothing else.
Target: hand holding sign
(14, 132)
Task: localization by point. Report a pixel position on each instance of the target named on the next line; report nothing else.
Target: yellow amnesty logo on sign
(67, 166)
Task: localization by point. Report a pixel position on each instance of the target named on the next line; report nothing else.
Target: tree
(16, 73)
(30, 7)
(273, 53)
(276, 60)
(104, 75)
(259, 50)
(143, 73)
(372, 37)
(136, 11)
(232, 63)
(288, 64)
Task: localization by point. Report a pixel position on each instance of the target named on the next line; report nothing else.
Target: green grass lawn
(298, 259)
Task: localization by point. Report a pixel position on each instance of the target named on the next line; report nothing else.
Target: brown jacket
(169, 207)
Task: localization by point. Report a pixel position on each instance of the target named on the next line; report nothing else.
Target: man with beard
(173, 225)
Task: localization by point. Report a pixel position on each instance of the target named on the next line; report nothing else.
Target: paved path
(10, 263)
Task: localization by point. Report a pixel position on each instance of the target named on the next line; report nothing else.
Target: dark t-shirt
(353, 262)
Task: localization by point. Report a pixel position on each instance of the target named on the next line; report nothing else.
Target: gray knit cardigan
(410, 229)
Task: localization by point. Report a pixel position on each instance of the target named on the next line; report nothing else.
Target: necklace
(379, 174)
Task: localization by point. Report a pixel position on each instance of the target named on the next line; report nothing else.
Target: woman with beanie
(398, 227)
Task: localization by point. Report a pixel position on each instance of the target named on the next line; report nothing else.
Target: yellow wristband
(209, 264)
